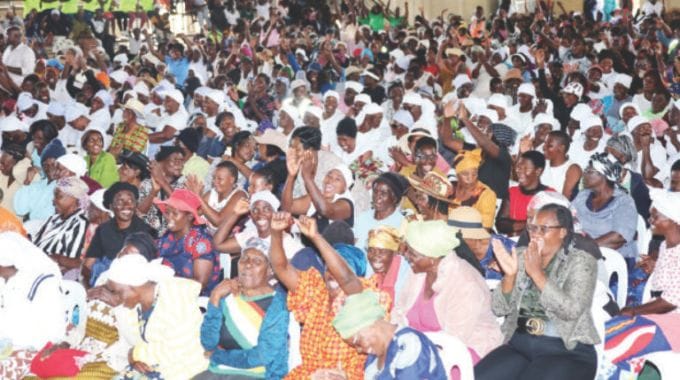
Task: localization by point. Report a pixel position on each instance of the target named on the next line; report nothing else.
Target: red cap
(183, 200)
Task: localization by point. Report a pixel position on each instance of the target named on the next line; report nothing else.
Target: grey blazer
(566, 298)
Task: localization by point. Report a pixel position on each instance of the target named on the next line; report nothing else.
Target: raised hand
(242, 207)
(223, 289)
(281, 221)
(194, 184)
(292, 162)
(533, 263)
(508, 262)
(307, 226)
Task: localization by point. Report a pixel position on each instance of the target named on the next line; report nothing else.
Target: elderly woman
(394, 352)
(330, 203)
(469, 190)
(134, 168)
(607, 213)
(131, 134)
(166, 176)
(63, 234)
(101, 165)
(315, 299)
(389, 269)
(187, 246)
(545, 295)
(32, 311)
(660, 314)
(168, 318)
(445, 296)
(256, 348)
(14, 169)
(623, 149)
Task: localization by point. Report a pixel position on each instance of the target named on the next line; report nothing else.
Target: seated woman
(660, 314)
(168, 317)
(332, 202)
(63, 234)
(607, 213)
(445, 296)
(32, 311)
(425, 160)
(219, 202)
(130, 135)
(394, 352)
(389, 269)
(623, 149)
(242, 154)
(134, 168)
(432, 196)
(512, 217)
(315, 298)
(187, 246)
(101, 165)
(257, 347)
(42, 133)
(14, 172)
(387, 191)
(469, 190)
(545, 295)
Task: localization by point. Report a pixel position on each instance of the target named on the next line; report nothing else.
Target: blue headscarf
(353, 256)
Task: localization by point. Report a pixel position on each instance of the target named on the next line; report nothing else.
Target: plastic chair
(647, 292)
(75, 303)
(644, 236)
(453, 353)
(615, 264)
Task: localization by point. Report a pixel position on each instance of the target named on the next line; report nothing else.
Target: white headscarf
(19, 252)
(134, 270)
(666, 202)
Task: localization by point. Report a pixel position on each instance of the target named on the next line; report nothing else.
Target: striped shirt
(63, 236)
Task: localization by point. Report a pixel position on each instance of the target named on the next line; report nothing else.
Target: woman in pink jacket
(445, 296)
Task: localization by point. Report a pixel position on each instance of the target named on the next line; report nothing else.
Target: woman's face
(257, 183)
(123, 206)
(364, 341)
(660, 223)
(127, 294)
(285, 121)
(333, 183)
(546, 232)
(129, 116)
(346, 143)
(7, 163)
(527, 172)
(592, 178)
(380, 259)
(228, 128)
(171, 106)
(426, 159)
(383, 197)
(94, 144)
(223, 181)
(478, 247)
(261, 213)
(246, 151)
(128, 173)
(97, 104)
(419, 263)
(628, 113)
(64, 204)
(659, 102)
(253, 269)
(330, 105)
(178, 221)
(173, 165)
(542, 133)
(468, 177)
(594, 133)
(551, 148)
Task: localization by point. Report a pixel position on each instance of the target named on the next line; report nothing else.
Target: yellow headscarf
(468, 159)
(384, 237)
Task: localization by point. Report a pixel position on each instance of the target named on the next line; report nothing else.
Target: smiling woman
(101, 166)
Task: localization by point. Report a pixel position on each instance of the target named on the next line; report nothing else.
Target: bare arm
(284, 271)
(164, 135)
(202, 271)
(337, 210)
(571, 180)
(612, 240)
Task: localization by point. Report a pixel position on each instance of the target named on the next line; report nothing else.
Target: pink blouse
(422, 316)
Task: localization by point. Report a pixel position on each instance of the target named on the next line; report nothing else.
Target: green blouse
(103, 170)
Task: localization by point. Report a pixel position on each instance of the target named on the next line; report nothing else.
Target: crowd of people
(330, 190)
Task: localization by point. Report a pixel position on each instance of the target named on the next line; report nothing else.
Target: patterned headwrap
(503, 134)
(257, 244)
(359, 311)
(543, 198)
(606, 165)
(468, 159)
(76, 188)
(384, 237)
(624, 144)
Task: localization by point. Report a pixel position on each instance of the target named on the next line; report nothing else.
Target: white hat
(498, 100)
(316, 111)
(581, 112)
(120, 76)
(121, 58)
(141, 88)
(331, 94)
(74, 111)
(25, 101)
(74, 163)
(362, 98)
(354, 85)
(267, 196)
(105, 97)
(302, 52)
(97, 199)
(135, 270)
(152, 59)
(346, 174)
(368, 73)
(461, 80)
(635, 122)
(56, 109)
(413, 99)
(12, 123)
(542, 118)
(175, 95)
(273, 137)
(135, 106)
(623, 79)
(527, 89)
(628, 105)
(397, 54)
(403, 62)
(359, 119)
(298, 83)
(217, 96)
(591, 121)
(404, 118)
(666, 202)
(372, 109)
(489, 114)
(574, 88)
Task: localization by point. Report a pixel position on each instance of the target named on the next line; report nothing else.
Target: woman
(623, 149)
(469, 190)
(445, 296)
(425, 158)
(101, 166)
(187, 246)
(315, 298)
(14, 173)
(330, 203)
(242, 154)
(607, 213)
(63, 234)
(545, 295)
(166, 176)
(32, 311)
(168, 318)
(388, 189)
(221, 199)
(134, 168)
(660, 314)
(389, 269)
(394, 352)
(258, 346)
(217, 146)
(131, 134)
(42, 133)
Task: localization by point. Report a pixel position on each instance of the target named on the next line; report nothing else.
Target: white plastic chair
(644, 236)
(614, 263)
(75, 303)
(453, 353)
(225, 263)
(647, 292)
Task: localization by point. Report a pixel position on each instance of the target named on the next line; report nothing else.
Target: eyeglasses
(540, 229)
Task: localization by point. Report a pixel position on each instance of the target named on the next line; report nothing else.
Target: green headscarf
(433, 238)
(359, 311)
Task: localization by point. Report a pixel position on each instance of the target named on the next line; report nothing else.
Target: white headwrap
(666, 202)
(134, 270)
(19, 252)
